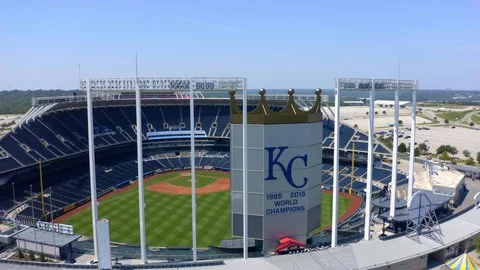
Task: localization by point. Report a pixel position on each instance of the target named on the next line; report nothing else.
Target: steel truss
(164, 83)
(422, 220)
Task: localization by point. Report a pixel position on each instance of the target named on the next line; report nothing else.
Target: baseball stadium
(45, 186)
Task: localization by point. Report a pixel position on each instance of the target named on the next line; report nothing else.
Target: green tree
(472, 124)
(376, 112)
(384, 112)
(31, 256)
(19, 101)
(423, 148)
(20, 253)
(444, 156)
(42, 257)
(447, 148)
(467, 153)
(402, 148)
(469, 161)
(454, 150)
(478, 244)
(478, 157)
(446, 121)
(400, 122)
(416, 152)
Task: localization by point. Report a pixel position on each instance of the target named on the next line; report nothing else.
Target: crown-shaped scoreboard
(284, 170)
(290, 114)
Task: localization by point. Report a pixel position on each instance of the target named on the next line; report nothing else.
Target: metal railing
(175, 265)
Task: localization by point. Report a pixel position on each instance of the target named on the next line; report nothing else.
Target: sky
(275, 44)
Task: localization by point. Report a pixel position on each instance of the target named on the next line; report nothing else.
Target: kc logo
(287, 172)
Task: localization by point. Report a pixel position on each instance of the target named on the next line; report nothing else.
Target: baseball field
(168, 210)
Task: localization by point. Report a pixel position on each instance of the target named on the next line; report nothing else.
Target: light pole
(34, 223)
(13, 190)
(411, 165)
(91, 160)
(244, 169)
(141, 198)
(336, 141)
(51, 222)
(370, 162)
(395, 155)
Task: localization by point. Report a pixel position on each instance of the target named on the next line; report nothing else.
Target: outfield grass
(476, 118)
(454, 116)
(168, 217)
(326, 219)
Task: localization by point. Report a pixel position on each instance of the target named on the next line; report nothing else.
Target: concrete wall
(49, 251)
(454, 250)
(414, 263)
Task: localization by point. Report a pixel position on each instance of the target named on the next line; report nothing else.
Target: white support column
(91, 159)
(395, 155)
(192, 165)
(141, 199)
(411, 167)
(244, 173)
(371, 134)
(336, 141)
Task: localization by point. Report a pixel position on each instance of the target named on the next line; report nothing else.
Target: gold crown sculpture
(290, 114)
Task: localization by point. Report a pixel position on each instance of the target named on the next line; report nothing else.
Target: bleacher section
(381, 177)
(61, 133)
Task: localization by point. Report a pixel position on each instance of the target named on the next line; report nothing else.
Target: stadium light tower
(91, 160)
(155, 84)
(353, 84)
(244, 169)
(372, 85)
(141, 197)
(393, 186)
(411, 167)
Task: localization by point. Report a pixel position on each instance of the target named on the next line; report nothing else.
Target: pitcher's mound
(185, 174)
(221, 184)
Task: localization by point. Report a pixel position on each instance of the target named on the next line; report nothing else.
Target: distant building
(388, 103)
(354, 103)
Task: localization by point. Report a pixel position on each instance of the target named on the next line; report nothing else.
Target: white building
(391, 103)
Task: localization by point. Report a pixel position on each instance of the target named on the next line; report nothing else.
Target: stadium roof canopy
(377, 253)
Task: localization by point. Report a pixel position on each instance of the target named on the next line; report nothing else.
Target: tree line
(19, 102)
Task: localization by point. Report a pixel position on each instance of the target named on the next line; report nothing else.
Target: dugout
(51, 244)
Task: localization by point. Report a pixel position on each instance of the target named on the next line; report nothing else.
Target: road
(468, 117)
